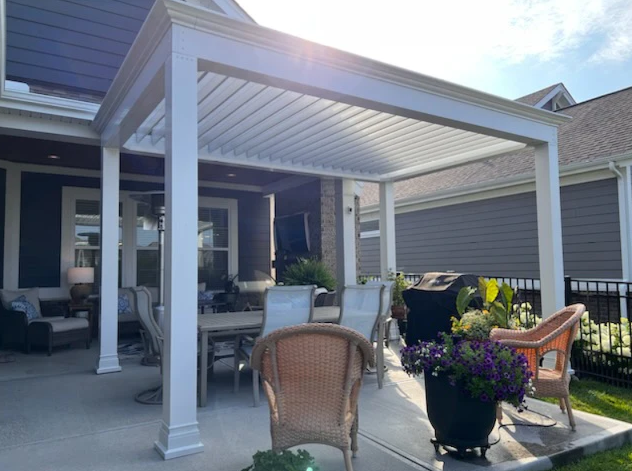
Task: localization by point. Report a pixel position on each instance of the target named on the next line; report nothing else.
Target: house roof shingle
(601, 128)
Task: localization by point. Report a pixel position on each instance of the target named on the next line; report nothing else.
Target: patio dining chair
(382, 333)
(555, 334)
(361, 310)
(312, 375)
(154, 333)
(283, 306)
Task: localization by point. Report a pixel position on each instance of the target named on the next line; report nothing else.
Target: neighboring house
(481, 218)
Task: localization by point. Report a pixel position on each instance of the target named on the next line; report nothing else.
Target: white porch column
(345, 233)
(108, 325)
(388, 258)
(179, 433)
(547, 184)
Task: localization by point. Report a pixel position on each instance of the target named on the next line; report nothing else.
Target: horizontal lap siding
(76, 44)
(499, 236)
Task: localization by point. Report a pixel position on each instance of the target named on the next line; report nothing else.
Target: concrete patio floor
(56, 414)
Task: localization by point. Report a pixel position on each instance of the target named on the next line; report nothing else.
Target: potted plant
(496, 310)
(465, 379)
(309, 271)
(284, 461)
(398, 306)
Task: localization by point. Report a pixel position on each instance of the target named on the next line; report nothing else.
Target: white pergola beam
(455, 161)
(388, 255)
(108, 326)
(179, 433)
(226, 47)
(549, 214)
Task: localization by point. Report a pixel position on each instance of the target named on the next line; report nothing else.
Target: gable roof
(601, 128)
(535, 97)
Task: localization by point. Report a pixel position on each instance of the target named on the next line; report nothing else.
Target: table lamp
(81, 278)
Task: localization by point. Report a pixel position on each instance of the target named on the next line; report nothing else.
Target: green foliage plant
(283, 461)
(398, 288)
(309, 271)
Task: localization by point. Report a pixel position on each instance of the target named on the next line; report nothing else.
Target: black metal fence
(603, 348)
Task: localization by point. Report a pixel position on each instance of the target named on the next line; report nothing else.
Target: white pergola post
(179, 433)
(547, 184)
(624, 183)
(388, 256)
(108, 325)
(345, 233)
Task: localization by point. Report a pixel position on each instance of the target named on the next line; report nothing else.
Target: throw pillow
(23, 305)
(205, 296)
(124, 306)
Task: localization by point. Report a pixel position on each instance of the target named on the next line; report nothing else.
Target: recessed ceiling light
(54, 157)
(232, 175)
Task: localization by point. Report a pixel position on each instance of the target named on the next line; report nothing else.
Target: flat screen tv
(292, 233)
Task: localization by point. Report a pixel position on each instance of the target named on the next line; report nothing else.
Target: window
(213, 247)
(146, 248)
(87, 236)
(217, 243)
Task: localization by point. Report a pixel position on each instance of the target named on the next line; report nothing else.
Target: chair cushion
(31, 295)
(63, 324)
(124, 306)
(206, 296)
(22, 304)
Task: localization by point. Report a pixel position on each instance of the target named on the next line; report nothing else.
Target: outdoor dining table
(228, 324)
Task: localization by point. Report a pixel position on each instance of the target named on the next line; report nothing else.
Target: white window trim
(70, 195)
(369, 234)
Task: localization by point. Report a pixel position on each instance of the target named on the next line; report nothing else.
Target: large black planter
(459, 421)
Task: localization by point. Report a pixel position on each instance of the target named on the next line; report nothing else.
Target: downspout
(624, 194)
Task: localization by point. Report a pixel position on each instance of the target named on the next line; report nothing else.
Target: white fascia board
(48, 105)
(234, 10)
(133, 177)
(553, 93)
(250, 51)
(570, 175)
(54, 128)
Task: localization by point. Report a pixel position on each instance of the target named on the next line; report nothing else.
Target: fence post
(568, 291)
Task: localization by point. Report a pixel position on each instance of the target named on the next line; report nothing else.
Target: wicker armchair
(312, 375)
(555, 334)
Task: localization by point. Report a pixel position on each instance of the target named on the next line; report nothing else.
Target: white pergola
(198, 85)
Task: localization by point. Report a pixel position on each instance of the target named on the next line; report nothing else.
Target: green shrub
(398, 288)
(283, 461)
(309, 272)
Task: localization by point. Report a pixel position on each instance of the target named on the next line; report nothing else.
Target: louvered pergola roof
(272, 101)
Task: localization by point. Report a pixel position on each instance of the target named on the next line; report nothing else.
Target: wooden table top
(252, 320)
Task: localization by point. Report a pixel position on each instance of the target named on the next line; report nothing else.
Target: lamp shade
(77, 275)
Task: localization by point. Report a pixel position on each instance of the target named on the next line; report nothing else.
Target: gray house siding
(78, 44)
(499, 236)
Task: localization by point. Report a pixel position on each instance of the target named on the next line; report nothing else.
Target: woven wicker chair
(312, 375)
(361, 310)
(555, 334)
(283, 306)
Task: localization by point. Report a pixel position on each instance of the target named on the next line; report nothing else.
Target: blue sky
(506, 47)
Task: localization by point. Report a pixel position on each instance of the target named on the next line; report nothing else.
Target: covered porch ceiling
(270, 100)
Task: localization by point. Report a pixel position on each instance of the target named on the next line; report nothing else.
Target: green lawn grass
(609, 401)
